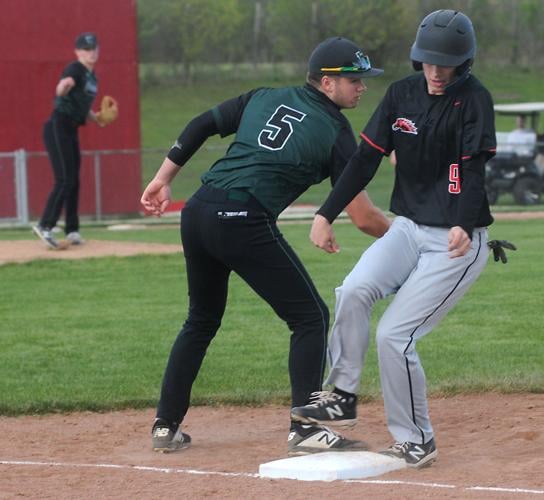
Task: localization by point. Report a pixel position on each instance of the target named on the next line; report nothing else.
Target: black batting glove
(498, 247)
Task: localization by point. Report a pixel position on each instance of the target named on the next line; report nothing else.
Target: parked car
(518, 166)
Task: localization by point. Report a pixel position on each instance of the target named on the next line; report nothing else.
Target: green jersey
(77, 103)
(287, 139)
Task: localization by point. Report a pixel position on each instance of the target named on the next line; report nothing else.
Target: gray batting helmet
(444, 38)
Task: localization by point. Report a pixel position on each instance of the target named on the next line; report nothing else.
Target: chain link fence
(110, 184)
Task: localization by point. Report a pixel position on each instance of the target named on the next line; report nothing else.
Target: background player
(75, 93)
(286, 140)
(440, 124)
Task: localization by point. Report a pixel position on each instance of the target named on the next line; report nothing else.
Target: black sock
(348, 395)
(173, 426)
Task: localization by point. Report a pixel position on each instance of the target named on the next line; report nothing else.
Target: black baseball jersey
(77, 103)
(441, 144)
(286, 140)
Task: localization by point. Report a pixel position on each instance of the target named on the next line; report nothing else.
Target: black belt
(210, 193)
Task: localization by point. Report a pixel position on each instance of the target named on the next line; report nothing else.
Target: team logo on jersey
(90, 88)
(404, 125)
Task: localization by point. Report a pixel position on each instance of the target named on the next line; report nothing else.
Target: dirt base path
(27, 250)
(490, 447)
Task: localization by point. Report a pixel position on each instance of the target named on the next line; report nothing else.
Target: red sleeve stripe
(469, 157)
(375, 146)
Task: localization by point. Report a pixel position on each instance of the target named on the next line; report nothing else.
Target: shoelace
(320, 398)
(402, 447)
(327, 429)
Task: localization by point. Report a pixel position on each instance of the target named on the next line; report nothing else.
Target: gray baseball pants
(412, 262)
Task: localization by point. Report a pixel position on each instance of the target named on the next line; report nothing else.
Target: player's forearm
(64, 86)
(91, 116)
(192, 137)
(167, 171)
(375, 224)
(367, 217)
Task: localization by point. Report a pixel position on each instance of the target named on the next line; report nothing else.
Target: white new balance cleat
(46, 236)
(306, 439)
(75, 238)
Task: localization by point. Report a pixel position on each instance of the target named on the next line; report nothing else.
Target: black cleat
(327, 408)
(415, 455)
(166, 440)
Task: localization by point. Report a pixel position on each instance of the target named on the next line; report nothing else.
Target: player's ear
(327, 82)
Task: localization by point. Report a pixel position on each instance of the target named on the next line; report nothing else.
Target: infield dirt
(485, 442)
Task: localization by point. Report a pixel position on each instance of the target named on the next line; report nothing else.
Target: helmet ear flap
(463, 68)
(417, 65)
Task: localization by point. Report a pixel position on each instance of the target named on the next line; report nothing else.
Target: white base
(331, 465)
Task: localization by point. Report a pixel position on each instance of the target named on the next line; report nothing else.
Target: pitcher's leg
(71, 205)
(54, 139)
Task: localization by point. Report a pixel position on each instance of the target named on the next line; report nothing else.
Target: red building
(37, 43)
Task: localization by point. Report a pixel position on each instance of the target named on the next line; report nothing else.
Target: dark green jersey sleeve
(229, 113)
(223, 119)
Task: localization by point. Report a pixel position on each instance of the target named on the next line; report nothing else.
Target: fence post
(21, 185)
(97, 185)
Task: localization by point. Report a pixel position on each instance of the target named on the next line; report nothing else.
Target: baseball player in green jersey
(286, 140)
(75, 93)
(440, 123)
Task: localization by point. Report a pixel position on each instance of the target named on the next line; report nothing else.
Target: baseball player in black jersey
(440, 124)
(286, 140)
(75, 93)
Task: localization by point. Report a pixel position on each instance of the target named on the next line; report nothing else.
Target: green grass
(95, 334)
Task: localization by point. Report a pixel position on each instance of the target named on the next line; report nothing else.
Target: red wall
(37, 43)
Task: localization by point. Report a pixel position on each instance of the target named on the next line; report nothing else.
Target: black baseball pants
(221, 235)
(60, 135)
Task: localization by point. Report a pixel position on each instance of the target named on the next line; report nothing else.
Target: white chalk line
(167, 470)
(170, 470)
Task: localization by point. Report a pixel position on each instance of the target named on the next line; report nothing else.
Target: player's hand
(458, 242)
(156, 197)
(322, 235)
(65, 85)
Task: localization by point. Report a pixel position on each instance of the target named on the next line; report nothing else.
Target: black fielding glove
(498, 247)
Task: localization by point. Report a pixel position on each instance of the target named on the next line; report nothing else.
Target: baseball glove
(109, 111)
(498, 247)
